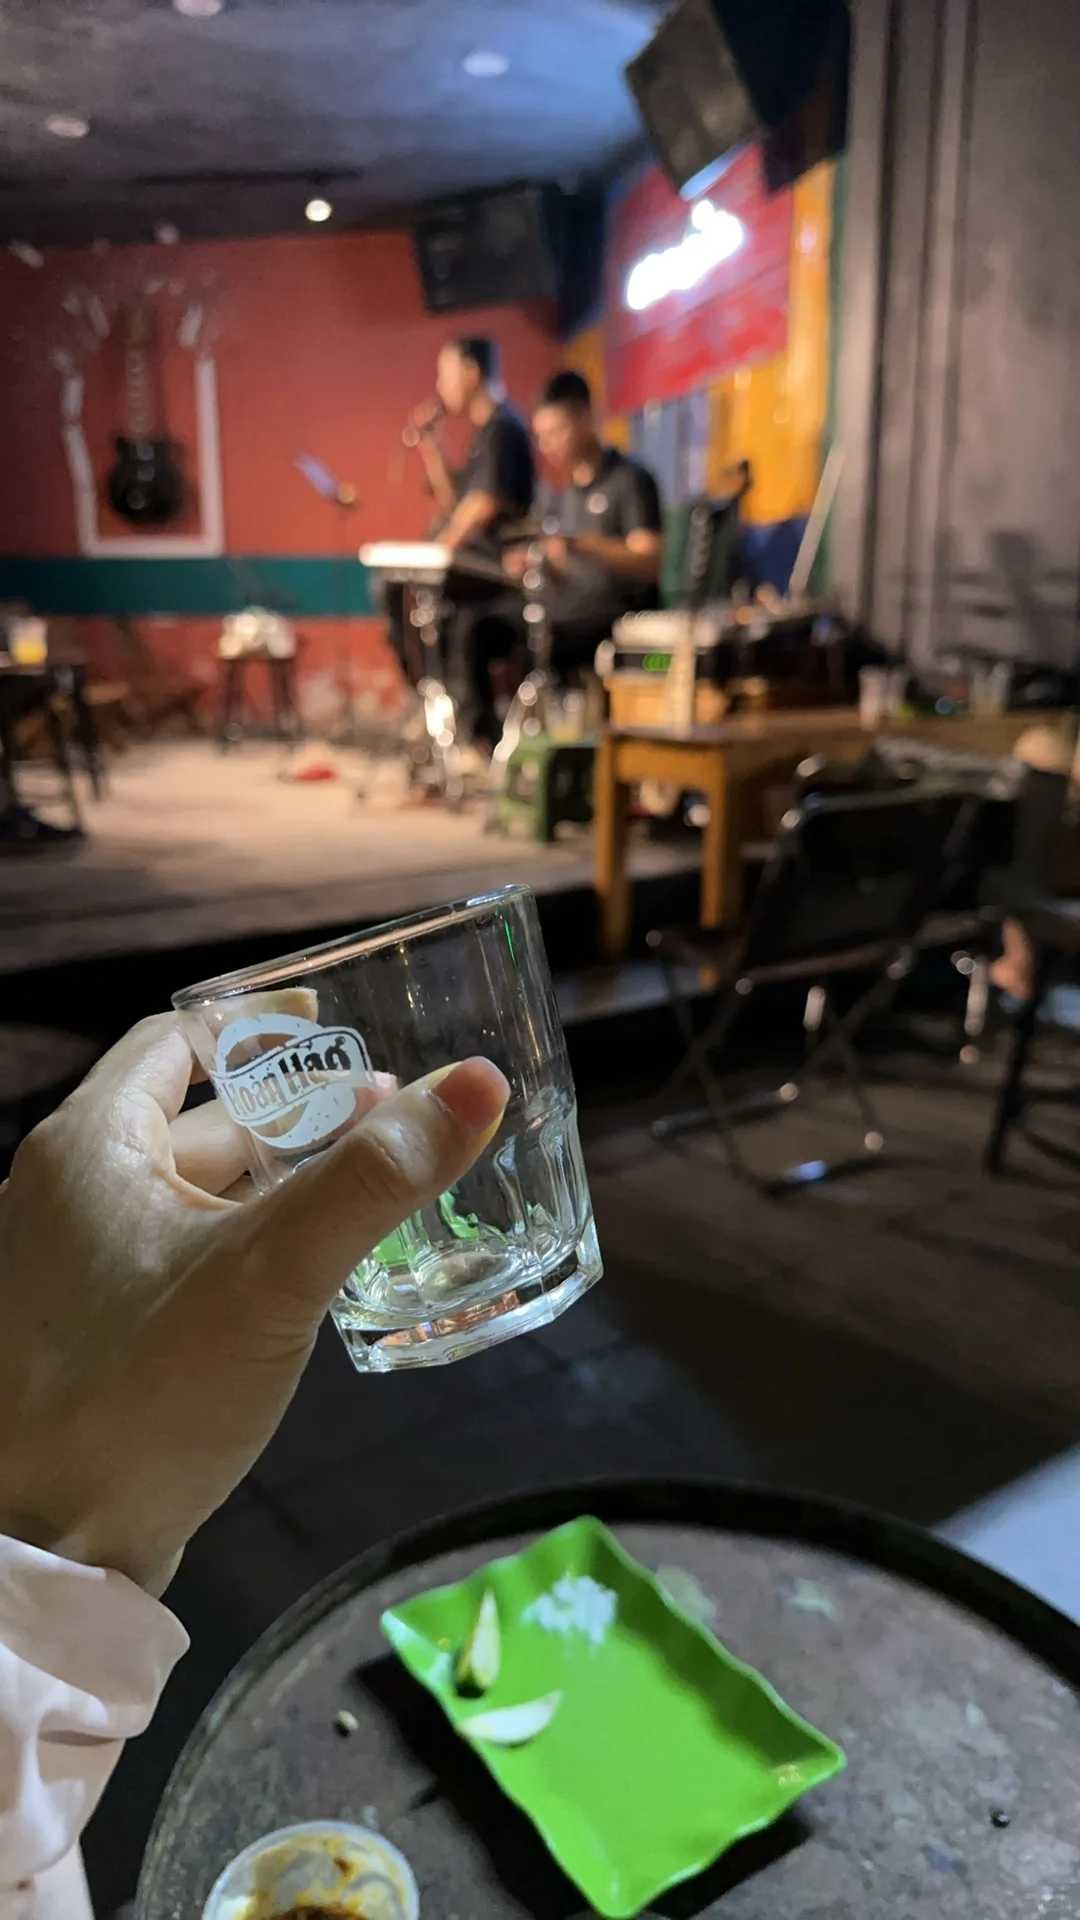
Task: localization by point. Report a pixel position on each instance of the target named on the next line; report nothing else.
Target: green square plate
(665, 1749)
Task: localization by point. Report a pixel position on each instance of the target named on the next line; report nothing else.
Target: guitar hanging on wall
(146, 485)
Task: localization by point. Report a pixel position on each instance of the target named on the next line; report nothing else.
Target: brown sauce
(317, 1913)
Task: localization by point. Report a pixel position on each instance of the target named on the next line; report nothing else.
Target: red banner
(694, 288)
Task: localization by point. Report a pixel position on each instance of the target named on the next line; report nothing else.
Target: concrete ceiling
(217, 126)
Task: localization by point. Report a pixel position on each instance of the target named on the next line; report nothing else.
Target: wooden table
(720, 762)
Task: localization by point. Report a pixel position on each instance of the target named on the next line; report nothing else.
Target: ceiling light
(199, 9)
(318, 209)
(67, 126)
(484, 64)
(166, 234)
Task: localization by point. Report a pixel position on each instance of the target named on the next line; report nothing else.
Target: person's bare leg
(1014, 972)
(1049, 750)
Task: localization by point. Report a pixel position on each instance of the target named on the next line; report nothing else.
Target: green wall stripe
(295, 584)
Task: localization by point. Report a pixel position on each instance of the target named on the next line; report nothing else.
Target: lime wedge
(512, 1726)
(479, 1660)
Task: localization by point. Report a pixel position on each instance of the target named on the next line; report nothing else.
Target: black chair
(701, 548)
(1006, 848)
(843, 897)
(26, 694)
(74, 692)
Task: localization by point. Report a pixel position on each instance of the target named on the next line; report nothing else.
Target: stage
(194, 849)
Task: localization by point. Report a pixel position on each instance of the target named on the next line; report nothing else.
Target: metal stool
(280, 670)
(546, 781)
(527, 716)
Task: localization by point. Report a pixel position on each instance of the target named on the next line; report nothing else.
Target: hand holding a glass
(154, 1329)
(301, 1049)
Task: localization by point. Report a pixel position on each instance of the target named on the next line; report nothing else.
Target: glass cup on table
(299, 1049)
(991, 685)
(882, 692)
(28, 642)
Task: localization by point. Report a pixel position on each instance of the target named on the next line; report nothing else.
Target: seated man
(602, 544)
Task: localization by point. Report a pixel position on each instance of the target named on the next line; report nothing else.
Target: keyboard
(407, 556)
(424, 563)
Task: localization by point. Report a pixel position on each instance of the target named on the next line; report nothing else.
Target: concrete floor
(908, 1339)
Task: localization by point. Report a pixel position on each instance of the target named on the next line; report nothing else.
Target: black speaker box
(719, 71)
(484, 249)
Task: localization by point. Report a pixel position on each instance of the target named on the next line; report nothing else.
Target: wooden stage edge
(192, 848)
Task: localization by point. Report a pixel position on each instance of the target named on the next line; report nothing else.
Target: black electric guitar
(146, 485)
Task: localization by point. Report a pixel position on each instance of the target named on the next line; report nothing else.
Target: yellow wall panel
(584, 354)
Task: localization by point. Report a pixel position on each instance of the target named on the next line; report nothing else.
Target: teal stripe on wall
(289, 583)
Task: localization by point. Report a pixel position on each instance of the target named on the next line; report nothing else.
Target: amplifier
(759, 643)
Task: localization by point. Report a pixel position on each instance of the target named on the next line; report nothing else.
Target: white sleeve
(84, 1655)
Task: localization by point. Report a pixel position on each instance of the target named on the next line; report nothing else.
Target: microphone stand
(342, 495)
(527, 714)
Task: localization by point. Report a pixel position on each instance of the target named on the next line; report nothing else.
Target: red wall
(736, 315)
(324, 346)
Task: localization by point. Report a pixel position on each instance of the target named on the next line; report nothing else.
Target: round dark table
(953, 1691)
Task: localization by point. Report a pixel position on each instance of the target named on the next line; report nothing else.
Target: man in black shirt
(602, 523)
(492, 490)
(495, 485)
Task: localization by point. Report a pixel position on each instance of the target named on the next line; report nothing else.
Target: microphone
(412, 434)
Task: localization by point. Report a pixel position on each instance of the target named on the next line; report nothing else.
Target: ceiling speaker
(719, 71)
(482, 250)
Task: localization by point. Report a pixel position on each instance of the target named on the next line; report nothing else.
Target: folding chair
(844, 895)
(965, 917)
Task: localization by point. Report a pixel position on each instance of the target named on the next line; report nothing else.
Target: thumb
(301, 1242)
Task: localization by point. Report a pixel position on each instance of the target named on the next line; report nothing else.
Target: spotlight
(484, 64)
(67, 126)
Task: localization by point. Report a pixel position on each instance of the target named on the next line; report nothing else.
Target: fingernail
(474, 1092)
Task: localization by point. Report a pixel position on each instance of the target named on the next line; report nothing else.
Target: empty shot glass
(297, 1051)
